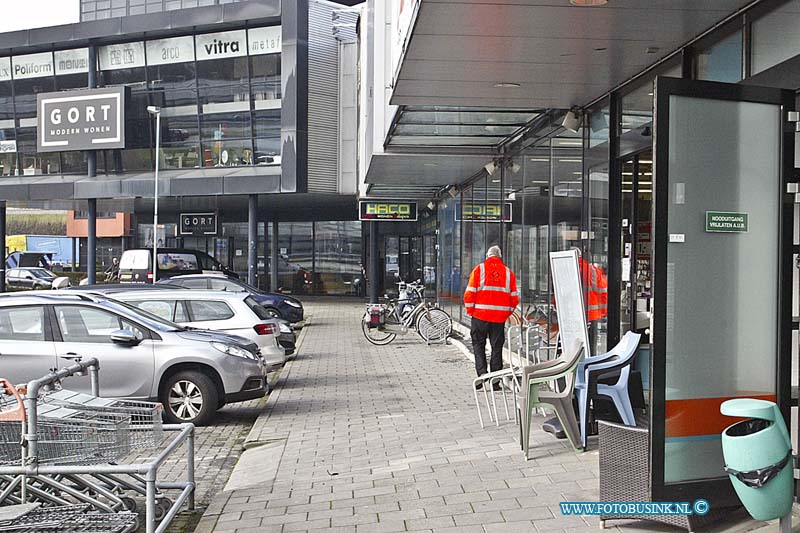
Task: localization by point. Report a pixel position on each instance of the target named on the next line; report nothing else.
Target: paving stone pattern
(384, 439)
(217, 447)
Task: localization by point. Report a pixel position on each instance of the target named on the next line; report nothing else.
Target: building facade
(257, 105)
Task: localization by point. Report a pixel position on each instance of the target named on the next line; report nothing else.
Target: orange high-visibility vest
(491, 293)
(595, 284)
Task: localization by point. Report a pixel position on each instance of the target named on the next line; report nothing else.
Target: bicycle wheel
(436, 328)
(374, 335)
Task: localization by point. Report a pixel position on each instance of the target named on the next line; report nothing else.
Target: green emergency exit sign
(726, 222)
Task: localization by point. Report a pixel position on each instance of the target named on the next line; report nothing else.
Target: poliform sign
(89, 119)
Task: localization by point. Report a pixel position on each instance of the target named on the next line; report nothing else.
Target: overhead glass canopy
(456, 126)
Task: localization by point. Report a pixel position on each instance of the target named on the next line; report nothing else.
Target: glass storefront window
(596, 250)
(295, 258)
(227, 153)
(215, 72)
(722, 61)
(337, 258)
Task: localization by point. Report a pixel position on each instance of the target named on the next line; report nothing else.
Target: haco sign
(91, 119)
(198, 224)
(387, 210)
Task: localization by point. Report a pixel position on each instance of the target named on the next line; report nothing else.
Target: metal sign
(399, 211)
(91, 119)
(727, 222)
(483, 212)
(198, 224)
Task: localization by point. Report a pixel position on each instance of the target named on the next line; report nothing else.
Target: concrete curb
(208, 521)
(252, 438)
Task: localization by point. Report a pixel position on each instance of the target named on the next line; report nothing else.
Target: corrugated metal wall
(323, 100)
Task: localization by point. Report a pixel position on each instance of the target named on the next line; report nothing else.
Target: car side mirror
(125, 336)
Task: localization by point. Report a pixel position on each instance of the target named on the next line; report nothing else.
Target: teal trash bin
(758, 457)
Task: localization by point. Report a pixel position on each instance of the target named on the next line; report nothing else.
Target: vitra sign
(198, 224)
(91, 119)
(387, 210)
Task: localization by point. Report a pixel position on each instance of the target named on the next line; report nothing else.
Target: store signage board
(264, 40)
(7, 147)
(89, 119)
(727, 222)
(394, 211)
(168, 51)
(484, 212)
(221, 45)
(74, 61)
(32, 66)
(5, 68)
(198, 224)
(568, 294)
(117, 56)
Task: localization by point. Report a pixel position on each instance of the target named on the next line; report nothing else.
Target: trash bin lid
(750, 408)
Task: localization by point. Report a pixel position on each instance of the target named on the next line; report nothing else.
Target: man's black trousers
(479, 332)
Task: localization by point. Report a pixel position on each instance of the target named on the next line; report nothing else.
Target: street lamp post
(155, 110)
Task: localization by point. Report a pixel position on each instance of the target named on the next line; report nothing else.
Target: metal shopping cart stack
(32, 518)
(60, 449)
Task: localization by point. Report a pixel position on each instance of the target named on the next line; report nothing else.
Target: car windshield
(41, 273)
(149, 319)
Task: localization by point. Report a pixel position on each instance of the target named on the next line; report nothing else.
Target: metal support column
(252, 240)
(373, 262)
(91, 159)
(3, 240)
(273, 258)
(74, 258)
(91, 242)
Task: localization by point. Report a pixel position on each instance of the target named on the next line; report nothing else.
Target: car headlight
(236, 351)
(294, 304)
(285, 328)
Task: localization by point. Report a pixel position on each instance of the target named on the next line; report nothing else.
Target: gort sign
(91, 119)
(198, 224)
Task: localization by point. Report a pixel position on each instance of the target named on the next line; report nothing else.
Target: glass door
(721, 273)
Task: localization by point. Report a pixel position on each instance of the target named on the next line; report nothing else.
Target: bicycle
(382, 323)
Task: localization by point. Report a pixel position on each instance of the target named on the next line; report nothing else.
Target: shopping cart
(60, 448)
(31, 518)
(143, 419)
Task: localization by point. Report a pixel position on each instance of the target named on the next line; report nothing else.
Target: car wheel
(189, 396)
(273, 313)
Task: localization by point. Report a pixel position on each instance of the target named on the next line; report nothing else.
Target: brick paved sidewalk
(385, 439)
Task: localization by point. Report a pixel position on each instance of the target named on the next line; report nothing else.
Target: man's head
(494, 251)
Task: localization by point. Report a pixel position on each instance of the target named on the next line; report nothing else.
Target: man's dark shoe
(497, 386)
(479, 386)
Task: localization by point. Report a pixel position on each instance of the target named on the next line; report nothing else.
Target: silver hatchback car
(192, 372)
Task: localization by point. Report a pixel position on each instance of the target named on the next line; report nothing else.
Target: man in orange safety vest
(490, 298)
(595, 286)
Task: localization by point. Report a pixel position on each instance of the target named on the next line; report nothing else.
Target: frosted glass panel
(721, 336)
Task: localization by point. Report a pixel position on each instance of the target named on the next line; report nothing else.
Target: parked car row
(194, 350)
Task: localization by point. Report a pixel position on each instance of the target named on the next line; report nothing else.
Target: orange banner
(700, 416)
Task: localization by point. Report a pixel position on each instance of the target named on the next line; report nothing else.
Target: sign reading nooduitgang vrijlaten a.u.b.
(89, 119)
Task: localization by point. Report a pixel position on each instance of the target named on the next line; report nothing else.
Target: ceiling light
(495, 181)
(540, 159)
(430, 164)
(588, 3)
(578, 173)
(649, 94)
(507, 85)
(490, 167)
(431, 206)
(570, 160)
(540, 181)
